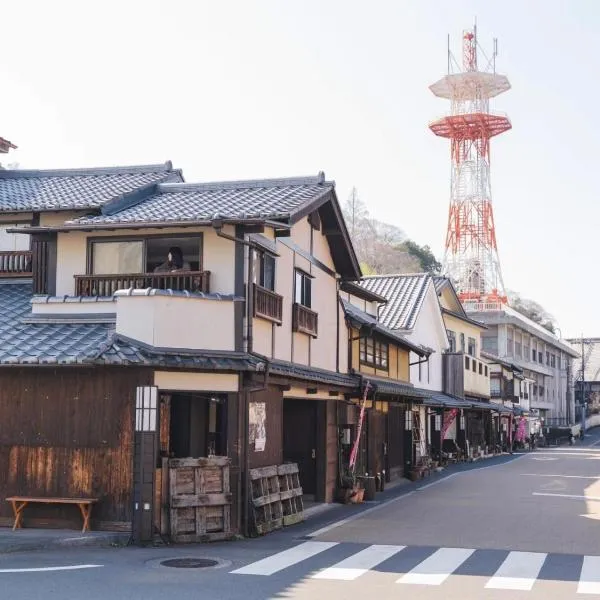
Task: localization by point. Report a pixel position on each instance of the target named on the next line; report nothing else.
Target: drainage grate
(189, 563)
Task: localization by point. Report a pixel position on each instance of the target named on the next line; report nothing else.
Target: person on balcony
(174, 262)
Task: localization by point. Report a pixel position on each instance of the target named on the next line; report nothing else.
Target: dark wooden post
(144, 463)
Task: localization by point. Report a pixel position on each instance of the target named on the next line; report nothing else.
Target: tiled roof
(180, 202)
(22, 190)
(295, 371)
(405, 295)
(44, 344)
(362, 318)
(439, 282)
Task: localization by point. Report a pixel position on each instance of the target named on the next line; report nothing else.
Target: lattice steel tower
(471, 254)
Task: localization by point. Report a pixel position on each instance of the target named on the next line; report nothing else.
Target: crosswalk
(502, 569)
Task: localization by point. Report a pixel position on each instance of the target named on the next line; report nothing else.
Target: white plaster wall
(343, 342)
(324, 302)
(262, 336)
(284, 286)
(429, 331)
(177, 322)
(219, 259)
(71, 260)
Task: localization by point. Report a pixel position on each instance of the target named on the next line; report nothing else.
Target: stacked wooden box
(276, 497)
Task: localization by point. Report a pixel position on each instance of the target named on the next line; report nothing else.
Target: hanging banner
(363, 405)
(449, 416)
(521, 430)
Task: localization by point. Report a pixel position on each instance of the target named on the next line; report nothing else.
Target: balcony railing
(305, 320)
(268, 304)
(107, 285)
(15, 263)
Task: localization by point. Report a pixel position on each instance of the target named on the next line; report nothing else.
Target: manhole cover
(189, 563)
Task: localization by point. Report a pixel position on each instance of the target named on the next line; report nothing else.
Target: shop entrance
(300, 421)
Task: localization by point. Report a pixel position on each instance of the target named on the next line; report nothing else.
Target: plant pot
(356, 495)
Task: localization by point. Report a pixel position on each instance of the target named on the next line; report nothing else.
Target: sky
(275, 88)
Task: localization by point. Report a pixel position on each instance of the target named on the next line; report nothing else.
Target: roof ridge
(247, 183)
(116, 170)
(390, 275)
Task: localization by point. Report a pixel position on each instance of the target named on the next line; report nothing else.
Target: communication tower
(471, 254)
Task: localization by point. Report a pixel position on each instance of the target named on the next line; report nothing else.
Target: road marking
(544, 458)
(557, 475)
(358, 564)
(518, 572)
(589, 580)
(593, 498)
(44, 569)
(285, 559)
(438, 567)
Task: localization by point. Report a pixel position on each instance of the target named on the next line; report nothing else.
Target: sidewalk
(28, 540)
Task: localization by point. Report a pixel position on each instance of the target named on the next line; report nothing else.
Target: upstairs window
(472, 347)
(452, 340)
(303, 289)
(263, 269)
(145, 255)
(462, 342)
(374, 353)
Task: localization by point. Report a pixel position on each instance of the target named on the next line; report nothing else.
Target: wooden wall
(273, 452)
(69, 432)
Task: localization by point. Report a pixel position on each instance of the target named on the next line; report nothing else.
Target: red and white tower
(471, 255)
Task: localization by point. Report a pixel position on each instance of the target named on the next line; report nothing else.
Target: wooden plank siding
(273, 452)
(453, 374)
(331, 450)
(69, 432)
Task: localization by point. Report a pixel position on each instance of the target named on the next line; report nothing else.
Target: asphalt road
(524, 527)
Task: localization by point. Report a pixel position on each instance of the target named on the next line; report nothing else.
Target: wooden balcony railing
(305, 320)
(15, 263)
(107, 285)
(268, 304)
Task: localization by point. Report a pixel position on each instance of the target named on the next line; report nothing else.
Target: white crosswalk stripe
(518, 572)
(285, 559)
(589, 580)
(438, 567)
(360, 563)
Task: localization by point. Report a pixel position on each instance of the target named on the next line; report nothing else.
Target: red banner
(449, 416)
(363, 406)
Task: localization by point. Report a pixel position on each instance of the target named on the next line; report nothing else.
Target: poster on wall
(257, 425)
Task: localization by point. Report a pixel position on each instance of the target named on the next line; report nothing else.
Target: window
(540, 358)
(480, 369)
(486, 371)
(533, 354)
(408, 421)
(495, 388)
(374, 353)
(547, 358)
(474, 363)
(462, 342)
(472, 347)
(452, 340)
(438, 422)
(302, 293)
(553, 361)
(114, 257)
(110, 258)
(263, 269)
(467, 362)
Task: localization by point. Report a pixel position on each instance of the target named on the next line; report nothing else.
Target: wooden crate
(291, 494)
(266, 499)
(199, 499)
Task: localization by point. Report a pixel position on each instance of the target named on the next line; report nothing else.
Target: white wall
(429, 331)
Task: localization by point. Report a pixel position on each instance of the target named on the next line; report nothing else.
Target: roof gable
(448, 297)
(76, 189)
(405, 295)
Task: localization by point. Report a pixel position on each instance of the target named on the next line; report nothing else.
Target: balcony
(107, 285)
(305, 320)
(16, 264)
(267, 304)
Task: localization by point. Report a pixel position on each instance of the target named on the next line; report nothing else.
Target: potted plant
(350, 491)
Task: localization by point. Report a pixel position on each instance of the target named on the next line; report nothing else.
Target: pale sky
(251, 89)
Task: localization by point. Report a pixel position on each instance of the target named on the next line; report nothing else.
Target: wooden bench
(20, 502)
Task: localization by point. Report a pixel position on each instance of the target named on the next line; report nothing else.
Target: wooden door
(300, 440)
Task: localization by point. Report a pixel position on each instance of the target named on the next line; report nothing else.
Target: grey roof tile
(405, 295)
(177, 202)
(22, 190)
(44, 343)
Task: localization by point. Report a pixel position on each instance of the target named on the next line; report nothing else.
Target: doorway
(197, 426)
(300, 440)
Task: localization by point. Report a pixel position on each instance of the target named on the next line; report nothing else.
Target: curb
(99, 541)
